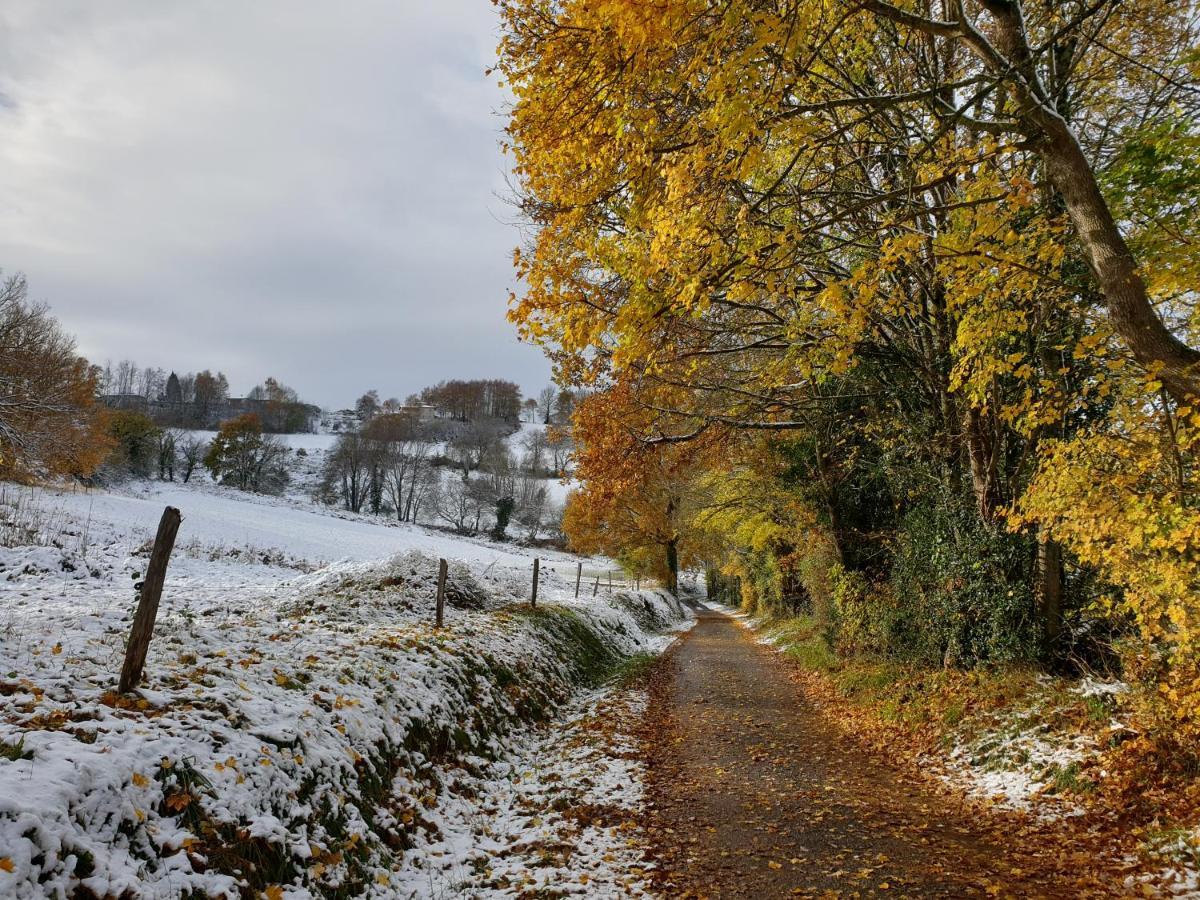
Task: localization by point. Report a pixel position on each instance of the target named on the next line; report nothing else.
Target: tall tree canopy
(941, 249)
(50, 422)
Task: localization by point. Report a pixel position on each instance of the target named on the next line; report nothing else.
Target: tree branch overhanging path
(902, 295)
(1008, 56)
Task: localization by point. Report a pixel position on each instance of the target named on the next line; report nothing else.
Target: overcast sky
(308, 190)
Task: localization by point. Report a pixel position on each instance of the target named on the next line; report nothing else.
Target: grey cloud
(297, 189)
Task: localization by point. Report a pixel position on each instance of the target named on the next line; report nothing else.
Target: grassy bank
(1015, 735)
(297, 747)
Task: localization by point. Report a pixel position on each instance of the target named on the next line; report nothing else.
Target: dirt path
(753, 793)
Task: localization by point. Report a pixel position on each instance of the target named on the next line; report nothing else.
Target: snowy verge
(556, 817)
(307, 742)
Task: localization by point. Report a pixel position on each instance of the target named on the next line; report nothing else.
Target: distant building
(421, 412)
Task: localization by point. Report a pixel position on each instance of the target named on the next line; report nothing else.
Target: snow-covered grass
(218, 515)
(558, 816)
(1022, 760)
(304, 730)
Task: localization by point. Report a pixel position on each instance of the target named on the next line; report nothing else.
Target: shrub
(962, 591)
(136, 442)
(243, 456)
(858, 607)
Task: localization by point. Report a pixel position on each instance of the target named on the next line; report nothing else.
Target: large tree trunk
(1008, 54)
(1069, 170)
(1129, 307)
(1050, 589)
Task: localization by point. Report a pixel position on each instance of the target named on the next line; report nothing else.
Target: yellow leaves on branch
(1121, 498)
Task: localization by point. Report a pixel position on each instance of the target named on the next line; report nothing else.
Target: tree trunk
(672, 548)
(1134, 318)
(1010, 57)
(1050, 589)
(981, 454)
(829, 489)
(1067, 166)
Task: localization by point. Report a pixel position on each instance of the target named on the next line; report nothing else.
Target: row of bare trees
(471, 401)
(459, 474)
(384, 468)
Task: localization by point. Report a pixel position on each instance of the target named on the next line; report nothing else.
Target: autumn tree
(209, 391)
(280, 408)
(635, 498)
(469, 401)
(242, 455)
(940, 251)
(50, 422)
(136, 439)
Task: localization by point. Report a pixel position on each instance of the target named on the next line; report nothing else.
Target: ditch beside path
(752, 792)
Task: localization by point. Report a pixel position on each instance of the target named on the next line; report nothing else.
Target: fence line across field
(613, 579)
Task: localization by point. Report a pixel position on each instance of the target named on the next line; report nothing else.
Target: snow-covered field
(303, 730)
(305, 470)
(216, 516)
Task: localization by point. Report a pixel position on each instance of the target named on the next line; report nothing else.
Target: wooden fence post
(596, 588)
(610, 581)
(147, 610)
(441, 593)
(578, 576)
(533, 597)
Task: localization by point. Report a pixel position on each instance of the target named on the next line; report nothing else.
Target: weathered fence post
(639, 583)
(578, 577)
(596, 587)
(441, 594)
(148, 597)
(610, 581)
(533, 597)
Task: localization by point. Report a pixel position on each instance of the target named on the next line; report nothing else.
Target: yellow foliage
(1123, 497)
(723, 240)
